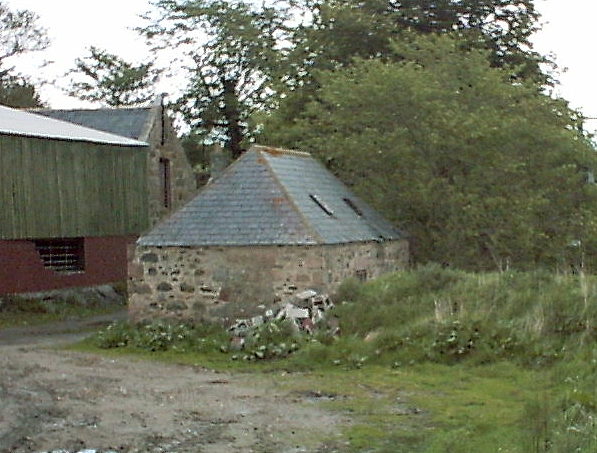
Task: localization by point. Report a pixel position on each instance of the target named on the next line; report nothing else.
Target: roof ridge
(277, 151)
(290, 199)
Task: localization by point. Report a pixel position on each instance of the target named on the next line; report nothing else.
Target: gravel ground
(54, 400)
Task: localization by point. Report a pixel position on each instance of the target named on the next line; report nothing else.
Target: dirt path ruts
(54, 399)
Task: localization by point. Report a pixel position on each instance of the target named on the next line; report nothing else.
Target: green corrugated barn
(72, 199)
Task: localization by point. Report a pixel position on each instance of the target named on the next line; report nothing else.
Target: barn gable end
(170, 180)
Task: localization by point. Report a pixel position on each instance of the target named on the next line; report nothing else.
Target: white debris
(307, 294)
(297, 313)
(311, 310)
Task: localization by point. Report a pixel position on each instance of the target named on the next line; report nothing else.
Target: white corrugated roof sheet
(17, 122)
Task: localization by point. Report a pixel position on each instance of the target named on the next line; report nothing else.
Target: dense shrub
(276, 339)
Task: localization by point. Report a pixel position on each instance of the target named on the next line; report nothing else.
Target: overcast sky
(73, 25)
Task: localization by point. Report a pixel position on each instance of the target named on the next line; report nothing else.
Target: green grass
(424, 408)
(430, 360)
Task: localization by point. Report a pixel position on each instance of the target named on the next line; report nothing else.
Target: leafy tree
(246, 59)
(481, 172)
(235, 55)
(343, 29)
(109, 79)
(504, 27)
(18, 92)
(337, 31)
(19, 34)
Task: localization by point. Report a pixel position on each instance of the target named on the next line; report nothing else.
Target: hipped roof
(17, 122)
(272, 197)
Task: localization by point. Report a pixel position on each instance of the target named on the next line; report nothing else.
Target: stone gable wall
(183, 181)
(226, 283)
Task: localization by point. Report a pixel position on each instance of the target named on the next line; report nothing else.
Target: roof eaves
(131, 143)
(279, 151)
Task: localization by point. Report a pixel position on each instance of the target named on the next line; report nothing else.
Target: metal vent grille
(361, 275)
(62, 255)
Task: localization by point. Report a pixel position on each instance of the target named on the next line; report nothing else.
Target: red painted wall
(21, 269)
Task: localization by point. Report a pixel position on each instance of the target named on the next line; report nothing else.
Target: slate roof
(17, 122)
(127, 122)
(272, 197)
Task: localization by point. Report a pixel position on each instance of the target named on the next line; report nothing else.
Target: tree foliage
(343, 29)
(18, 92)
(483, 173)
(106, 78)
(247, 59)
(19, 34)
(233, 47)
(338, 31)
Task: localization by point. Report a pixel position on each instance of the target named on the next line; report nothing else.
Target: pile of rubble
(305, 310)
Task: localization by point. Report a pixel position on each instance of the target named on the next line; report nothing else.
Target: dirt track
(53, 399)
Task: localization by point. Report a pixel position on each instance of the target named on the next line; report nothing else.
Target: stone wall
(183, 184)
(226, 283)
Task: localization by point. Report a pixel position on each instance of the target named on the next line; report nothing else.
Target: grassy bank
(20, 312)
(431, 360)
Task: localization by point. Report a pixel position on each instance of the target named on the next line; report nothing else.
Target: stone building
(170, 178)
(275, 222)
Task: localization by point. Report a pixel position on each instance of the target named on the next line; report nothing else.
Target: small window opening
(62, 255)
(361, 275)
(163, 121)
(353, 206)
(165, 183)
(322, 205)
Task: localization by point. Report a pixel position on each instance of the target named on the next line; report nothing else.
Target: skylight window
(321, 204)
(353, 206)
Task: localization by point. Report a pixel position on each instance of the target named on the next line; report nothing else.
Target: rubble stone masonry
(226, 283)
(182, 183)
